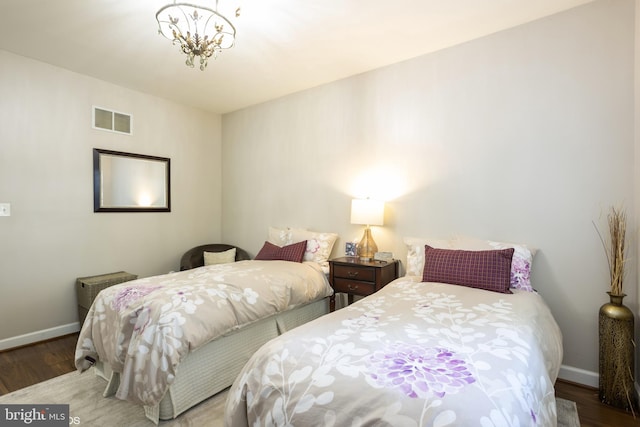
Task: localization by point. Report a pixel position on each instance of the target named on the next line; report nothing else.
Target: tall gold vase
(616, 354)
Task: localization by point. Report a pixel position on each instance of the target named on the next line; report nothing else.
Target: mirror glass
(127, 182)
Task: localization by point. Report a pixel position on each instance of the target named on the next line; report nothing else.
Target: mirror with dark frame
(127, 182)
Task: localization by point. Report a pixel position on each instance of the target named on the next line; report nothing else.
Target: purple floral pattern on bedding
(143, 329)
(520, 265)
(412, 354)
(417, 371)
(520, 274)
(130, 294)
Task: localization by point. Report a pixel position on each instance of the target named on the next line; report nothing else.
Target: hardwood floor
(593, 413)
(24, 366)
(32, 364)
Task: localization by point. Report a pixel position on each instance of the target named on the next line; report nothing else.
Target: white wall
(526, 135)
(53, 236)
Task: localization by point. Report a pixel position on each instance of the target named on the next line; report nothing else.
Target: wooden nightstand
(352, 276)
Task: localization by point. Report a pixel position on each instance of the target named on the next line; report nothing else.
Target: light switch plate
(5, 209)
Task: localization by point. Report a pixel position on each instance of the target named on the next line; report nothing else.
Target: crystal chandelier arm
(168, 20)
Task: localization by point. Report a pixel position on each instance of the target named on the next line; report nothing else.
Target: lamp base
(367, 247)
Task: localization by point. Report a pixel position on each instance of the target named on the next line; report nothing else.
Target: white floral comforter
(143, 328)
(413, 354)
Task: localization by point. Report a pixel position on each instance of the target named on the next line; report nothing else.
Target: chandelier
(200, 31)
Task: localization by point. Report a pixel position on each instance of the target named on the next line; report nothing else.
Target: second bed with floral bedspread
(142, 329)
(413, 354)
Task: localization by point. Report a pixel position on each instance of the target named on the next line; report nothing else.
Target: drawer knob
(352, 274)
(352, 288)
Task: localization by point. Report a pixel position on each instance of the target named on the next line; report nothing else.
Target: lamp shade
(367, 212)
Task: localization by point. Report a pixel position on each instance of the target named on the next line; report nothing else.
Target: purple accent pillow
(489, 270)
(293, 252)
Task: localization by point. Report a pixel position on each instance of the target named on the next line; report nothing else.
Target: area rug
(88, 408)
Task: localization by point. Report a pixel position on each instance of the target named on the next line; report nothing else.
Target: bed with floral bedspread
(144, 328)
(413, 354)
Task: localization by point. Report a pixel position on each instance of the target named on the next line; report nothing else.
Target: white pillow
(280, 236)
(211, 258)
(415, 253)
(319, 245)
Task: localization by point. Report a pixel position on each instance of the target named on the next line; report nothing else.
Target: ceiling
(282, 46)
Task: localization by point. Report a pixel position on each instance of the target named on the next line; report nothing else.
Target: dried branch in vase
(616, 248)
(617, 230)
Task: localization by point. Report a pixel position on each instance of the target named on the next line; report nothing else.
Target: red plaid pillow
(490, 270)
(293, 252)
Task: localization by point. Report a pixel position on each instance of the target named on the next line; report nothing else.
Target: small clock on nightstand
(353, 276)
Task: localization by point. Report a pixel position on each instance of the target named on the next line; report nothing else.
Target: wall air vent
(112, 121)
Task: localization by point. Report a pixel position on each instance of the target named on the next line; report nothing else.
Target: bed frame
(213, 367)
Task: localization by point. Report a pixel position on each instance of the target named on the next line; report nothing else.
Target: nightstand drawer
(355, 273)
(353, 286)
(353, 276)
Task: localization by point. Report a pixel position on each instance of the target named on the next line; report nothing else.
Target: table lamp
(367, 212)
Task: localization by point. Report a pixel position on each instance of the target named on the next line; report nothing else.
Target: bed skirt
(213, 367)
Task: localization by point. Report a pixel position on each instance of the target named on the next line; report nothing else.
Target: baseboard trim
(580, 376)
(38, 336)
(587, 378)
